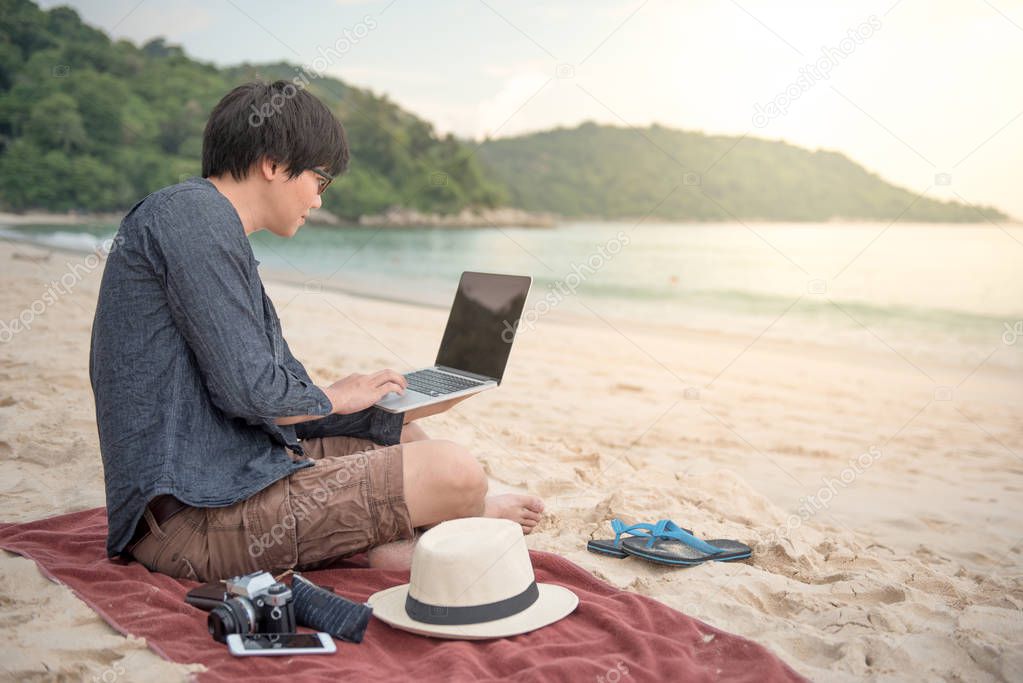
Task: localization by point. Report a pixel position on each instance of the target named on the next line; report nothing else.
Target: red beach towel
(612, 636)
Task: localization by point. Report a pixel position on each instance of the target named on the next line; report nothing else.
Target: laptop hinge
(466, 373)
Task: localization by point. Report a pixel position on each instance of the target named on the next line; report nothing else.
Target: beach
(881, 495)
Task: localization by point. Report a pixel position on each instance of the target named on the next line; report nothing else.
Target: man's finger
(390, 376)
(388, 387)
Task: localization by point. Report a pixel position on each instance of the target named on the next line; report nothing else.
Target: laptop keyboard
(433, 383)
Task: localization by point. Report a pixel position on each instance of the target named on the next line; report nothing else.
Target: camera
(260, 604)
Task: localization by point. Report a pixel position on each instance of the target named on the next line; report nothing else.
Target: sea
(931, 292)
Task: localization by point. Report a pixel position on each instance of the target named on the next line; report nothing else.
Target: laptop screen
(481, 326)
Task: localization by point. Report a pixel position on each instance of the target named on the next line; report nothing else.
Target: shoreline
(503, 217)
(560, 317)
(518, 219)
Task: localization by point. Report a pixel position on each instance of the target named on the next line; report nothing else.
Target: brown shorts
(352, 499)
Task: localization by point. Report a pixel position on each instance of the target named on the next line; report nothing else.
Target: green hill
(611, 172)
(90, 124)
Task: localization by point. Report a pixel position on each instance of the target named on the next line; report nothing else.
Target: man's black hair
(280, 121)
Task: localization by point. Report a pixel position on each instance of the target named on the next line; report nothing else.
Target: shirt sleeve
(207, 270)
(377, 425)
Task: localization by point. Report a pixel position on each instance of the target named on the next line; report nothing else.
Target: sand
(882, 503)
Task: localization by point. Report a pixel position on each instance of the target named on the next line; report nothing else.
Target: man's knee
(442, 481)
(459, 476)
(460, 470)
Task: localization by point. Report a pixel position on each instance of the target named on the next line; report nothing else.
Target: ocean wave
(76, 241)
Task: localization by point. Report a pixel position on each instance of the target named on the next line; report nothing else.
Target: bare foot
(392, 556)
(515, 506)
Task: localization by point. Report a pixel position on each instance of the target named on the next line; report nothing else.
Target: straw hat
(472, 579)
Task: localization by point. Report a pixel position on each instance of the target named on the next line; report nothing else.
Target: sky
(925, 93)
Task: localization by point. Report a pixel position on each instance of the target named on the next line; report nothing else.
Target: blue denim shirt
(189, 368)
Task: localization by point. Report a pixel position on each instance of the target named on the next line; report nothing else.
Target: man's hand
(358, 392)
(427, 411)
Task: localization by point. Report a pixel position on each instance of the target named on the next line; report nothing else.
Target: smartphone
(269, 644)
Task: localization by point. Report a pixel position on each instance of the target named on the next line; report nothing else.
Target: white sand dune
(882, 501)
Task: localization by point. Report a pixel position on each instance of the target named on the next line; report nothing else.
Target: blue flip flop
(672, 545)
(613, 546)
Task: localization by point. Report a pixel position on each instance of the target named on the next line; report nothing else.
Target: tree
(101, 99)
(56, 123)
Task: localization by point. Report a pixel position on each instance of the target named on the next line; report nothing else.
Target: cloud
(147, 22)
(509, 69)
(497, 114)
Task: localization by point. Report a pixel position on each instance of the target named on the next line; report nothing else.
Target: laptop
(476, 343)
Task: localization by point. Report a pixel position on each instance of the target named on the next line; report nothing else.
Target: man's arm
(284, 421)
(353, 394)
(409, 416)
(332, 392)
(296, 419)
(205, 264)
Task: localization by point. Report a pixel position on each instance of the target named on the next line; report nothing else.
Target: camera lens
(233, 616)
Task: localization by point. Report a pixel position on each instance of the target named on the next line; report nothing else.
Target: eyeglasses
(325, 179)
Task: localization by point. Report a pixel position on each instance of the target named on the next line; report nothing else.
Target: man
(220, 454)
